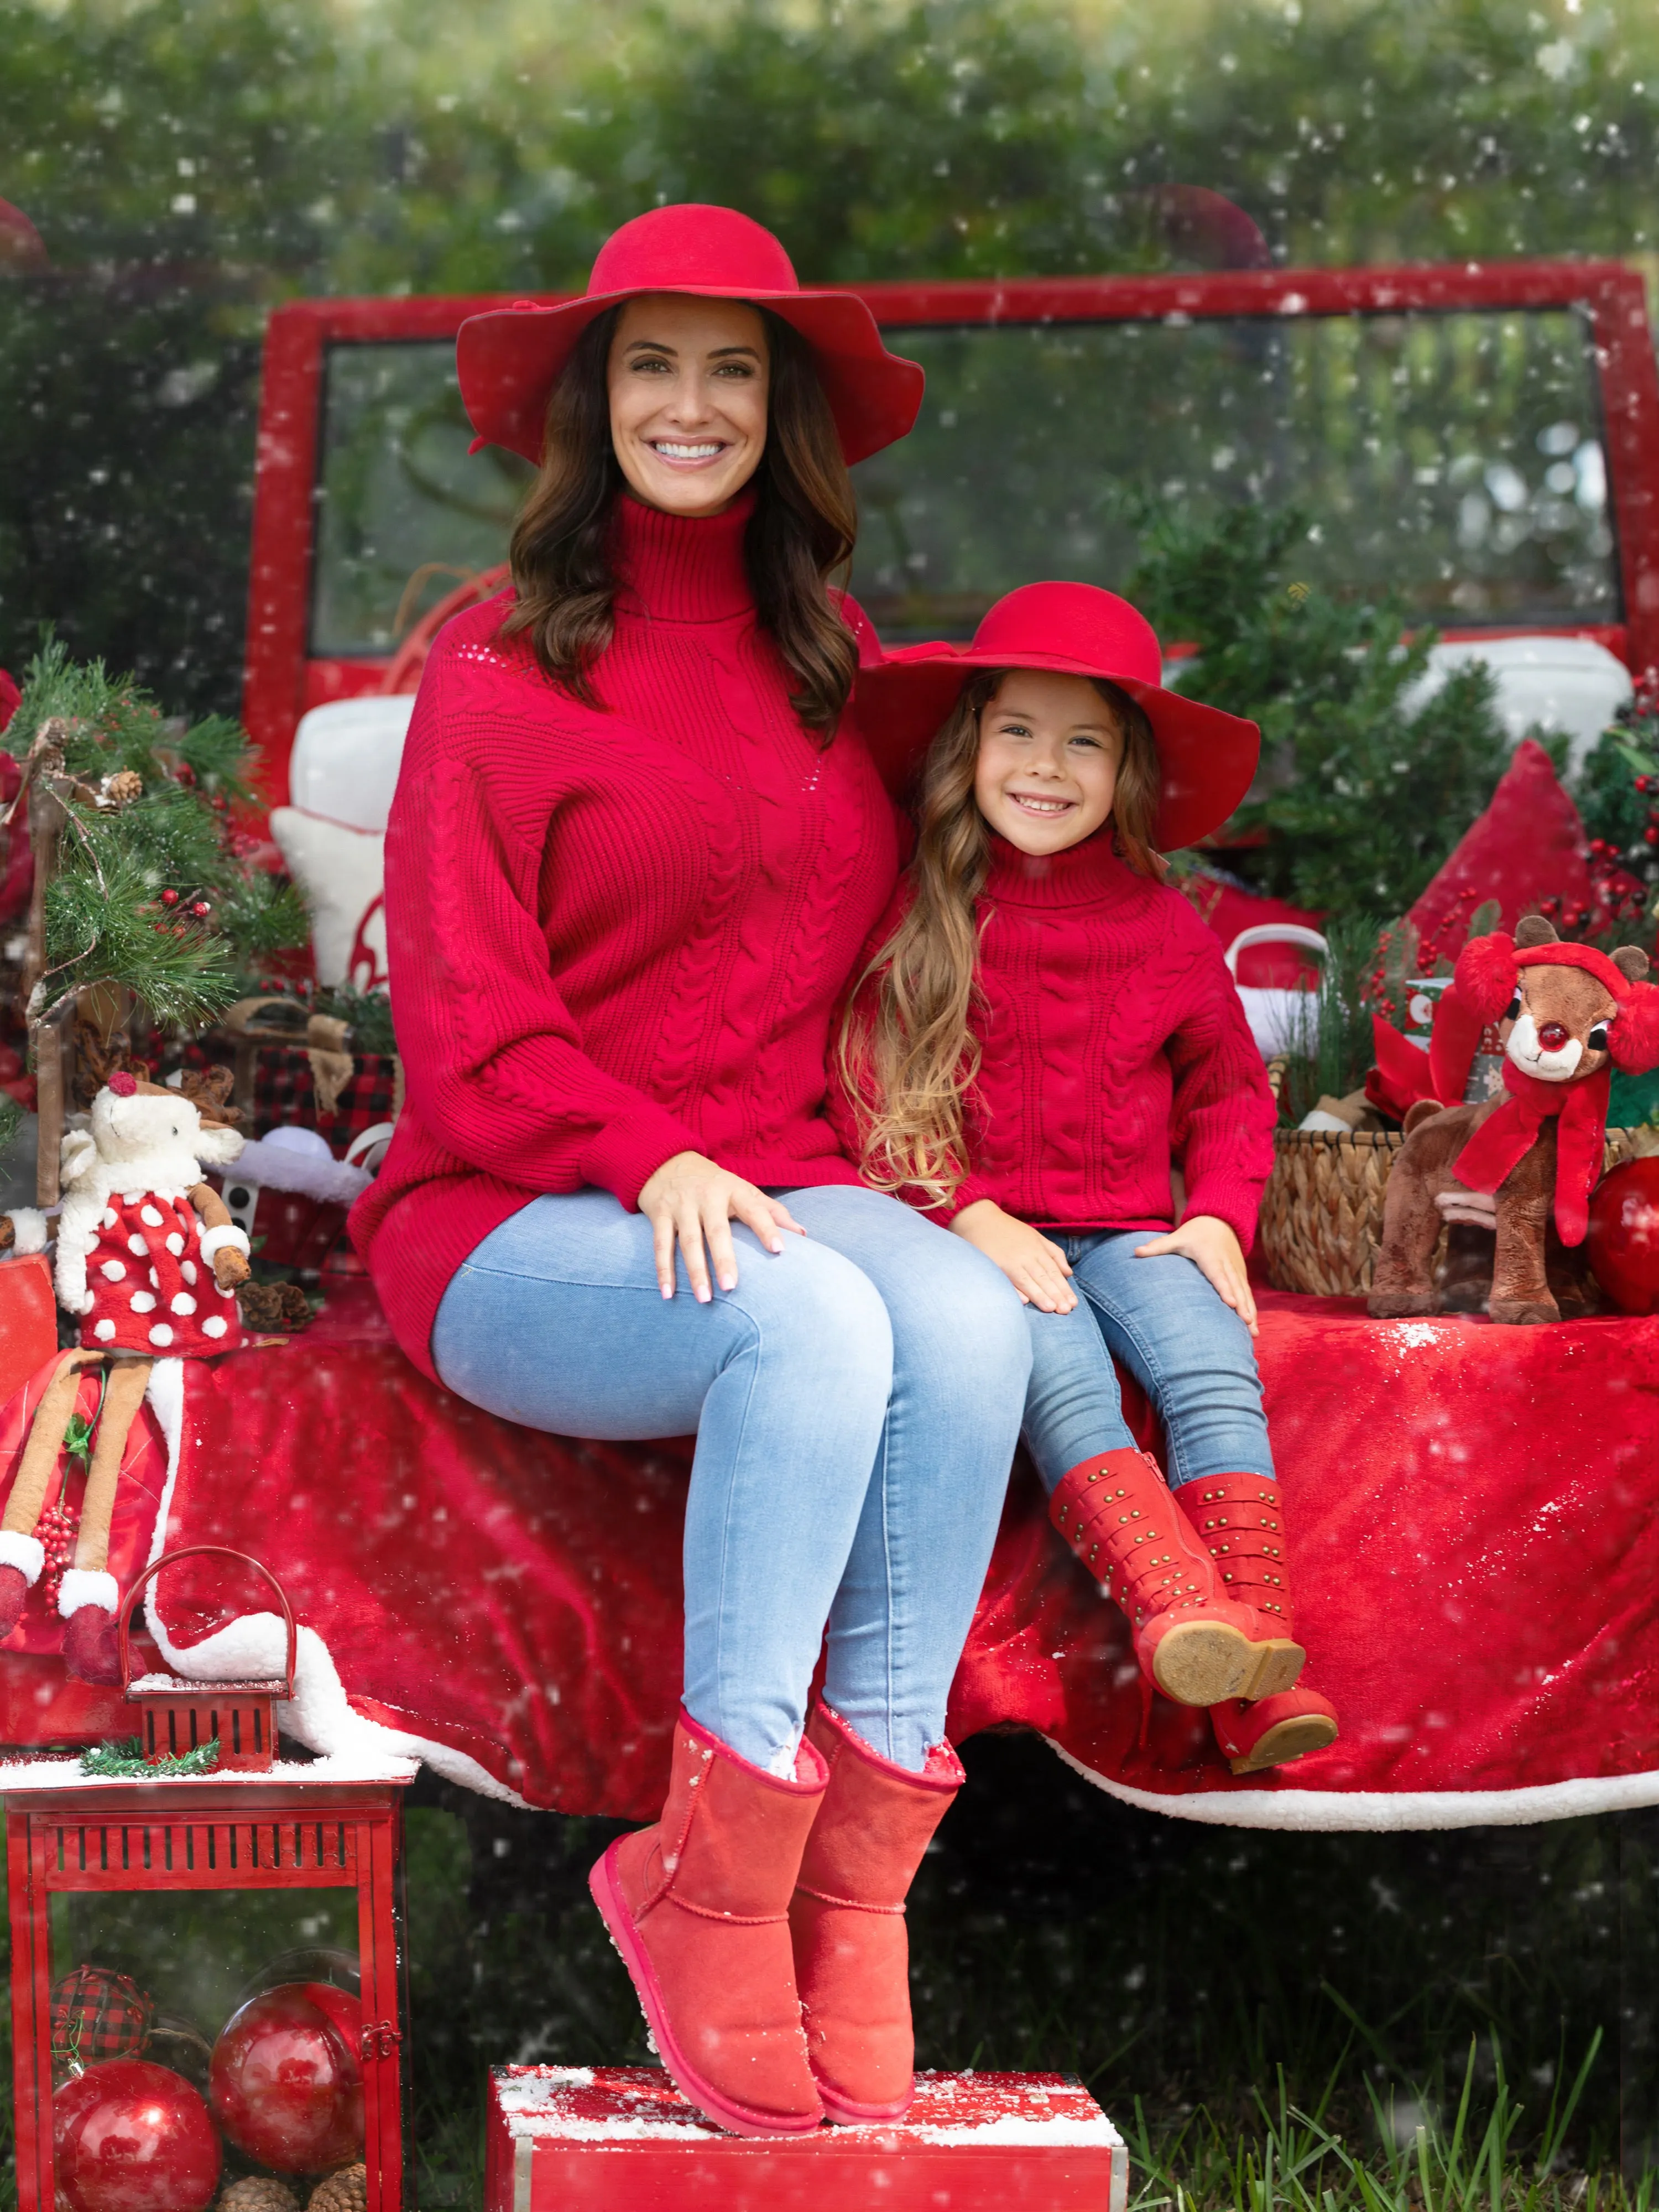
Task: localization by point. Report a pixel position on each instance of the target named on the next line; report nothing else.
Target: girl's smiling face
(1049, 751)
(688, 379)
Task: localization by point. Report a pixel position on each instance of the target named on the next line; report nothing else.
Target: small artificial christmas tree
(1361, 793)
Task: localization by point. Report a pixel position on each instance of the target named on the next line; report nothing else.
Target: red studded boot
(1194, 1642)
(1240, 1521)
(698, 1906)
(852, 1955)
(1273, 1731)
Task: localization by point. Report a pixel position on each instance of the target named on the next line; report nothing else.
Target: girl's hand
(1035, 1265)
(690, 1202)
(1215, 1251)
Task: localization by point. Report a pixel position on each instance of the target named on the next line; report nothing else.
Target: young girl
(1042, 1033)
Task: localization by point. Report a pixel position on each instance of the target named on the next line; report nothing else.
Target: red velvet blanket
(1475, 1534)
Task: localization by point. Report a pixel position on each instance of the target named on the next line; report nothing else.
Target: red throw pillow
(9, 695)
(1527, 846)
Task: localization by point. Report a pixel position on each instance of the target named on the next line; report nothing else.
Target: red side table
(622, 2139)
(305, 1873)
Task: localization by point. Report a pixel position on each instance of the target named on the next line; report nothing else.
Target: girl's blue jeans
(1188, 1351)
(856, 1401)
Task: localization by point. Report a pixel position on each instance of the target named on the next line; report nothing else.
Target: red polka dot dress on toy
(152, 1291)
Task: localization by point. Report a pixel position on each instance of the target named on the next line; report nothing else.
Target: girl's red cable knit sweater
(614, 936)
(1114, 1045)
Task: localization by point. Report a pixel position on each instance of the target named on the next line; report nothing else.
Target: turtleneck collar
(684, 568)
(1088, 874)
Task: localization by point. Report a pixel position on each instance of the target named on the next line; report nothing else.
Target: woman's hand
(690, 1202)
(1215, 1251)
(1033, 1263)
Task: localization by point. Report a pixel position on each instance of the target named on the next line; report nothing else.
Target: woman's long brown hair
(911, 1061)
(801, 534)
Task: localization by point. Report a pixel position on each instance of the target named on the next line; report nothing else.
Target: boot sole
(736, 2119)
(1206, 1663)
(843, 2114)
(1292, 1738)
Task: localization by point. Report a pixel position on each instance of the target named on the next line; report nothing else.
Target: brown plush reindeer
(1567, 1014)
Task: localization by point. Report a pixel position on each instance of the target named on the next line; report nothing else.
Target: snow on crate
(578, 2136)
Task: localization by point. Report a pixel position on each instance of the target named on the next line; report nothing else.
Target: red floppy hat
(509, 358)
(1208, 757)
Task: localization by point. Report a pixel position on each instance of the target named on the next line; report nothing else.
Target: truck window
(1455, 458)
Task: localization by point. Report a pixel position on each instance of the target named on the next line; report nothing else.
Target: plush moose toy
(149, 1258)
(1566, 1014)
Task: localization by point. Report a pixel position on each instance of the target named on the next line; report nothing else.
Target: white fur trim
(1346, 1812)
(318, 1716)
(28, 1228)
(229, 1238)
(82, 1587)
(26, 1553)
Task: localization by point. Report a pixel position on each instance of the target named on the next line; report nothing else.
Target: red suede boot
(1240, 1521)
(852, 1955)
(1193, 1641)
(698, 1906)
(1273, 1731)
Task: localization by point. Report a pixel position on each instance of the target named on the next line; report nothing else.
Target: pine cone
(344, 2191)
(121, 788)
(259, 2192)
(267, 1306)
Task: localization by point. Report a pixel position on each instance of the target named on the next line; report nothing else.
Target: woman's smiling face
(688, 382)
(1049, 751)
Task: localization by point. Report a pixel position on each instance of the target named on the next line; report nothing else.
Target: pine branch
(125, 1762)
(113, 931)
(258, 914)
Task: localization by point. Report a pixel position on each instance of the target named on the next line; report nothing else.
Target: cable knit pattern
(1114, 1045)
(616, 934)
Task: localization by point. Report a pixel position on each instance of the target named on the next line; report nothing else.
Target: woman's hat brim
(509, 358)
(1208, 757)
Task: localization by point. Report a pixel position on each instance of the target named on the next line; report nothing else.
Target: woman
(630, 867)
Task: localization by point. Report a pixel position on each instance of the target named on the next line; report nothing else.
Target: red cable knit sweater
(614, 936)
(1113, 1043)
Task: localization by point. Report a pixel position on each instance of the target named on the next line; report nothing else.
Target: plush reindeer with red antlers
(1567, 1015)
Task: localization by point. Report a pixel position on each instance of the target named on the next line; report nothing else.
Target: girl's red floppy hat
(1208, 757)
(509, 358)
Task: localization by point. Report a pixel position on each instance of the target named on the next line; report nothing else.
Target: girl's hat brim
(1208, 757)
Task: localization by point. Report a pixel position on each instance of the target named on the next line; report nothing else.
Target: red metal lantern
(177, 1716)
(242, 1867)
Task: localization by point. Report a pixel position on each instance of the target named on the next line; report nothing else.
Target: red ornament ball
(1624, 1235)
(169, 898)
(287, 2085)
(132, 2136)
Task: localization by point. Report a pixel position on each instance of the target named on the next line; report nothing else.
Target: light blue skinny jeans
(1188, 1351)
(856, 1401)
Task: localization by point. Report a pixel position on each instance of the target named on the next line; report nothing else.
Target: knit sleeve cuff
(968, 1192)
(627, 1152)
(1227, 1200)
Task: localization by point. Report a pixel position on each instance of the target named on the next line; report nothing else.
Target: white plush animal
(139, 1140)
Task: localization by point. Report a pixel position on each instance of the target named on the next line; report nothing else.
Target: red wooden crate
(622, 2139)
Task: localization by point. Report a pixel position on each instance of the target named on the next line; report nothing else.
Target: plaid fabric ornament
(98, 2014)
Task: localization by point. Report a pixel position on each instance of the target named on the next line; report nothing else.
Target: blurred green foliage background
(187, 163)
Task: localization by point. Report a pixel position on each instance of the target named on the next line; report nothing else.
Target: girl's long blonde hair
(910, 1061)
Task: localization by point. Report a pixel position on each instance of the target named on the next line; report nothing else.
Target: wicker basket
(1321, 1212)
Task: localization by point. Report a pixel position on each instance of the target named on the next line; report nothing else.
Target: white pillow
(342, 872)
(346, 756)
